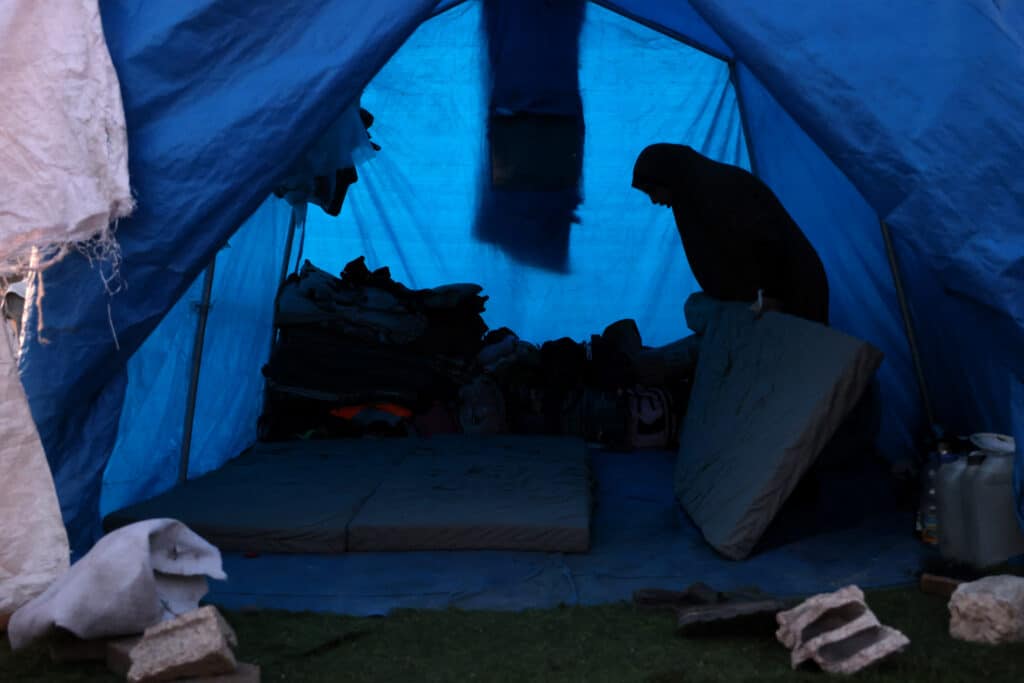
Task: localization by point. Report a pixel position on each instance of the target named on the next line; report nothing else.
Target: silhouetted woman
(739, 240)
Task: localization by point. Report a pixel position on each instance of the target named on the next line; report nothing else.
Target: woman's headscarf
(665, 165)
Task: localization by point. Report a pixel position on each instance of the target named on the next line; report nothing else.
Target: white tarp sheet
(133, 578)
(33, 544)
(63, 146)
(64, 174)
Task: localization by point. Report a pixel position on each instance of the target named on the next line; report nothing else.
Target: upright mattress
(458, 492)
(767, 396)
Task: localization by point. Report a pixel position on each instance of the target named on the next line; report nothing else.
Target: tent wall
(413, 207)
(230, 393)
(220, 96)
(845, 231)
(678, 19)
(1013, 18)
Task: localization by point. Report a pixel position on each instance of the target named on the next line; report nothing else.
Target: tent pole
(285, 262)
(734, 79)
(293, 222)
(197, 359)
(908, 325)
(287, 248)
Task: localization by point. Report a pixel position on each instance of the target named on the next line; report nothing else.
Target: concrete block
(989, 611)
(196, 644)
(119, 654)
(838, 632)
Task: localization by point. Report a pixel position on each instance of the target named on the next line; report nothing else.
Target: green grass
(613, 643)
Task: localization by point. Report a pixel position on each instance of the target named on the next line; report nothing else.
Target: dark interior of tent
(448, 356)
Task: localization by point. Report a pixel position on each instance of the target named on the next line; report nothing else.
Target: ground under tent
(179, 393)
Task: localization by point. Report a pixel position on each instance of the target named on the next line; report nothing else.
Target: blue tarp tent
(858, 115)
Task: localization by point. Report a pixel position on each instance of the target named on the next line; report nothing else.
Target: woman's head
(662, 170)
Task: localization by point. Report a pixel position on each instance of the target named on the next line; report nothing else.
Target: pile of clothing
(610, 389)
(364, 355)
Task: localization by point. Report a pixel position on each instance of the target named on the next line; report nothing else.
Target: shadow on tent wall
(530, 183)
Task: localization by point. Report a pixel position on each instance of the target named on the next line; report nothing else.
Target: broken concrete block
(246, 673)
(119, 654)
(225, 628)
(837, 608)
(990, 611)
(860, 650)
(196, 644)
(838, 632)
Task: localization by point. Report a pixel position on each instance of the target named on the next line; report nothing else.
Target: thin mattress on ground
(507, 493)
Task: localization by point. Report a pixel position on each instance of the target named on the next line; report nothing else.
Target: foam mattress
(504, 494)
(459, 492)
(767, 396)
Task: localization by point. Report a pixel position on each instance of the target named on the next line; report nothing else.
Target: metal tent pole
(285, 262)
(908, 324)
(288, 247)
(734, 79)
(293, 223)
(197, 360)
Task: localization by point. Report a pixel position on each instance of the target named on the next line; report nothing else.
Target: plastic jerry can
(952, 522)
(994, 534)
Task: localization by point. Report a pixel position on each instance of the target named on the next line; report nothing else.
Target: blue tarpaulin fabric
(677, 19)
(229, 398)
(913, 112)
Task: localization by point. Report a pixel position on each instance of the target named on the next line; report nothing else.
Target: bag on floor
(650, 418)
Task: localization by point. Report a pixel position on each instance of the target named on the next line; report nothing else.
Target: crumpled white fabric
(63, 144)
(135, 577)
(33, 543)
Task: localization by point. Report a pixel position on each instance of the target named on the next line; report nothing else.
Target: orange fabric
(349, 412)
(394, 409)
